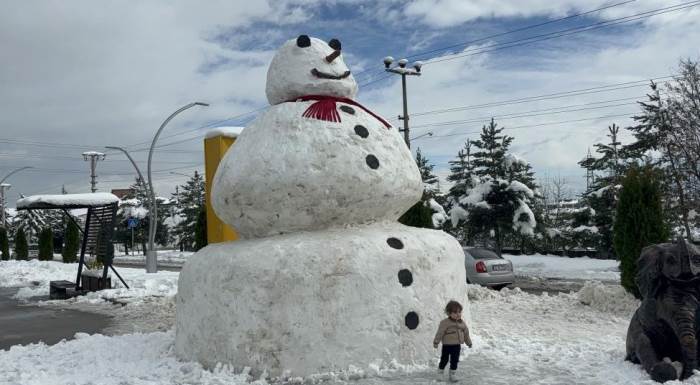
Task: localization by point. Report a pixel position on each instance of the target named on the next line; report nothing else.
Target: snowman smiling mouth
(324, 75)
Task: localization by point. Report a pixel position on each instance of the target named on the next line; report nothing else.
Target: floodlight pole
(151, 254)
(93, 157)
(401, 69)
(4, 186)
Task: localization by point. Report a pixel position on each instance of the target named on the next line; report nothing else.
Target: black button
(405, 277)
(362, 131)
(347, 109)
(372, 162)
(395, 243)
(411, 320)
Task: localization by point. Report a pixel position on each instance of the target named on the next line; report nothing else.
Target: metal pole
(94, 157)
(405, 112)
(14, 172)
(3, 186)
(151, 255)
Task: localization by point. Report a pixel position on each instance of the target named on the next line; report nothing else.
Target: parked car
(484, 267)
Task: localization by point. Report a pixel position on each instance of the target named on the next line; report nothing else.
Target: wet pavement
(25, 323)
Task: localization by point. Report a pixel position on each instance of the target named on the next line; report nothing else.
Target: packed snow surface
(552, 266)
(86, 200)
(518, 338)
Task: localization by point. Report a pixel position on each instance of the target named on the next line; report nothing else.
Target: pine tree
(4, 245)
(420, 214)
(429, 179)
(46, 244)
(21, 246)
(71, 243)
(461, 171)
(639, 222)
(190, 203)
(32, 221)
(498, 202)
(200, 230)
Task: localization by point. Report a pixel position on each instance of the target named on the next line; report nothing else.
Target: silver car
(484, 267)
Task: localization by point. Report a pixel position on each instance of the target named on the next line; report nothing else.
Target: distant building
(121, 193)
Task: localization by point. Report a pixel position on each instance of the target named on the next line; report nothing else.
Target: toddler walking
(452, 332)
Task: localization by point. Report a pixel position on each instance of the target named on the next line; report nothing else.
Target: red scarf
(324, 108)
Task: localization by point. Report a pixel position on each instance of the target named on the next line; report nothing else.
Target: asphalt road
(22, 324)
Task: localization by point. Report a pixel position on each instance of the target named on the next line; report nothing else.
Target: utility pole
(93, 157)
(403, 71)
(3, 186)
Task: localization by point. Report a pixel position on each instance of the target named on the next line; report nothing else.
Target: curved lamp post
(3, 186)
(151, 255)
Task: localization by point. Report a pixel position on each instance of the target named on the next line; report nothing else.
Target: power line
(562, 33)
(532, 26)
(556, 95)
(535, 125)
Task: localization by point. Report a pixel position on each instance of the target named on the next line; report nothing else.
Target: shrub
(21, 246)
(4, 245)
(71, 244)
(46, 244)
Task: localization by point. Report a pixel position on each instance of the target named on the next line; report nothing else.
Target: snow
(93, 153)
(439, 216)
(511, 160)
(335, 290)
(170, 258)
(228, 132)
(289, 75)
(583, 229)
(89, 200)
(552, 266)
(519, 339)
(520, 187)
(458, 214)
(526, 227)
(33, 277)
(692, 214)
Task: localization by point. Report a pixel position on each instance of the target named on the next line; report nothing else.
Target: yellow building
(216, 143)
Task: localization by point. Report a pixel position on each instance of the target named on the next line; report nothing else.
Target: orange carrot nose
(332, 56)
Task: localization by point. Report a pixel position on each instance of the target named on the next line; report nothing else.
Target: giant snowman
(324, 276)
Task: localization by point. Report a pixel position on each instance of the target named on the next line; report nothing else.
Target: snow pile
(512, 160)
(552, 266)
(228, 132)
(35, 273)
(584, 229)
(439, 216)
(608, 298)
(33, 277)
(86, 200)
(526, 227)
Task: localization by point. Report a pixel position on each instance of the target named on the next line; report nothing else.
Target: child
(452, 332)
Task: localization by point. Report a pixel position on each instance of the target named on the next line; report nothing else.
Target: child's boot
(453, 376)
(441, 375)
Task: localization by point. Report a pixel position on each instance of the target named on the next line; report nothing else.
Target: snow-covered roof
(229, 132)
(89, 153)
(71, 201)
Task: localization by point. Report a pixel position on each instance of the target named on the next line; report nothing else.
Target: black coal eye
(303, 41)
(335, 44)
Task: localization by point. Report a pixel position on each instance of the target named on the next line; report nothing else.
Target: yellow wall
(214, 150)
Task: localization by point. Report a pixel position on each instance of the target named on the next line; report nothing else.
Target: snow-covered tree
(189, 204)
(497, 203)
(430, 180)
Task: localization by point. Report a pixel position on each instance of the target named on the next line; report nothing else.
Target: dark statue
(662, 335)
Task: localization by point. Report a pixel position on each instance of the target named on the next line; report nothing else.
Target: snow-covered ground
(519, 338)
(552, 266)
(165, 257)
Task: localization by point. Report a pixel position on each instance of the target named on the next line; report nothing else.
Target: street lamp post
(151, 255)
(401, 69)
(4, 186)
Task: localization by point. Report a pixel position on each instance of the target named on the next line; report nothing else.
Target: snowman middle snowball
(291, 170)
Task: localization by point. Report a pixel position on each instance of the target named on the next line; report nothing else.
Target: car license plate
(499, 267)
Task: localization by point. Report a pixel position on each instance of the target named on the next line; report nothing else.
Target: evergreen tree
(430, 180)
(498, 202)
(639, 222)
(31, 221)
(189, 205)
(21, 246)
(461, 172)
(200, 230)
(71, 243)
(420, 214)
(46, 244)
(4, 245)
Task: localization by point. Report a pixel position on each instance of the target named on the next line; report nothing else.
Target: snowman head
(308, 66)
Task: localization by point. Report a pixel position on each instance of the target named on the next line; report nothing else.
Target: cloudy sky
(80, 75)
